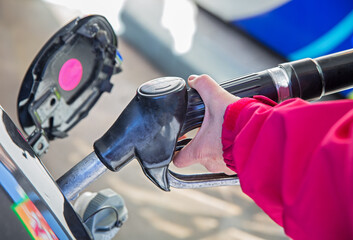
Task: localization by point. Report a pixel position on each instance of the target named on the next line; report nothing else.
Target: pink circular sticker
(70, 74)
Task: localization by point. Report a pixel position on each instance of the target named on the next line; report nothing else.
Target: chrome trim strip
(282, 83)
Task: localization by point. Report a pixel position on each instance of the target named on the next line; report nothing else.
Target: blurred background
(224, 38)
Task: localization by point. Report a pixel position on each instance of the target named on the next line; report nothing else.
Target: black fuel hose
(309, 79)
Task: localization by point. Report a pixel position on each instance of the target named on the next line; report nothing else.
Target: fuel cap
(162, 86)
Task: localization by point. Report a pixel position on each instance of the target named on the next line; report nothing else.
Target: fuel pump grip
(164, 109)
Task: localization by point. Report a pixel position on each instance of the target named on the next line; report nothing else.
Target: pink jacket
(295, 160)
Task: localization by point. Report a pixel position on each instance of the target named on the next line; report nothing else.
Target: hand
(206, 147)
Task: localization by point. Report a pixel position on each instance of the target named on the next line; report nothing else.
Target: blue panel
(299, 23)
(328, 41)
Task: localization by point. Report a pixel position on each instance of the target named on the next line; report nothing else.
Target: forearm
(286, 159)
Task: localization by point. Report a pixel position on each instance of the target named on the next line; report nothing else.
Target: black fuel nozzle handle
(147, 130)
(164, 109)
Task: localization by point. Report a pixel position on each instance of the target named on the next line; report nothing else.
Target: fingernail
(192, 77)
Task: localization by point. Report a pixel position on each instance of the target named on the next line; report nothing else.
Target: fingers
(213, 95)
(204, 85)
(206, 147)
(185, 157)
(210, 158)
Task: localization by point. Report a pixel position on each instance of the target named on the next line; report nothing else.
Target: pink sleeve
(295, 160)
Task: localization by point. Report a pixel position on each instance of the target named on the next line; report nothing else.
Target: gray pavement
(217, 213)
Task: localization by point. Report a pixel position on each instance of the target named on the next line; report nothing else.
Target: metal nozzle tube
(80, 176)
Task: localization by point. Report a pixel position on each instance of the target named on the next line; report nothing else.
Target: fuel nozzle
(147, 130)
(164, 109)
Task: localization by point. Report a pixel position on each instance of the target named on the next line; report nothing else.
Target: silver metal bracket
(201, 180)
(39, 142)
